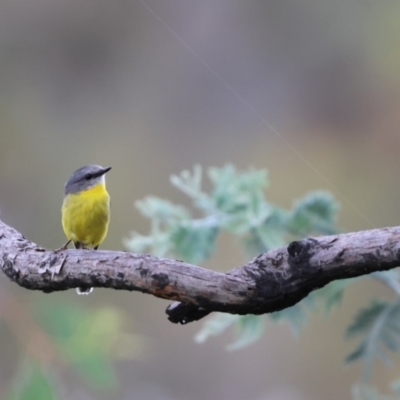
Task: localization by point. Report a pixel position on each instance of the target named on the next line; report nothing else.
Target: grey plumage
(84, 178)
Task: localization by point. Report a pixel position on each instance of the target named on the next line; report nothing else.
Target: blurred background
(309, 90)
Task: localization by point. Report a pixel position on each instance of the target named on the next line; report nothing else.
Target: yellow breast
(85, 215)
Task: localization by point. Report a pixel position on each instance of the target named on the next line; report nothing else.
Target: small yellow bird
(86, 209)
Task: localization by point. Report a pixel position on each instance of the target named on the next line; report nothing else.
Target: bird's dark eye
(88, 176)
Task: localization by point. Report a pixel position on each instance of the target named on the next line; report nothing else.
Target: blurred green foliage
(88, 342)
(85, 339)
(236, 204)
(33, 383)
(379, 327)
(363, 391)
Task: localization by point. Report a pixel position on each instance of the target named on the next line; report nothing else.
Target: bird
(85, 212)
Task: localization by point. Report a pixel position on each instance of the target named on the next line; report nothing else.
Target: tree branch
(270, 282)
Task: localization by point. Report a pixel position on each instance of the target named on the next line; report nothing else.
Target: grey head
(85, 177)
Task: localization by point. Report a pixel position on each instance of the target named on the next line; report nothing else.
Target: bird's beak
(102, 172)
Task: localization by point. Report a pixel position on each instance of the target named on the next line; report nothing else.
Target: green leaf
(190, 184)
(261, 240)
(249, 328)
(295, 315)
(389, 278)
(236, 204)
(315, 213)
(33, 383)
(157, 243)
(362, 391)
(379, 327)
(323, 298)
(215, 325)
(163, 210)
(396, 387)
(330, 296)
(165, 217)
(193, 242)
(234, 192)
(357, 353)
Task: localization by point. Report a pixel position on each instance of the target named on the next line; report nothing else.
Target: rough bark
(270, 282)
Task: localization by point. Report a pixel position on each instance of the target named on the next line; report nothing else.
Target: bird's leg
(63, 247)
